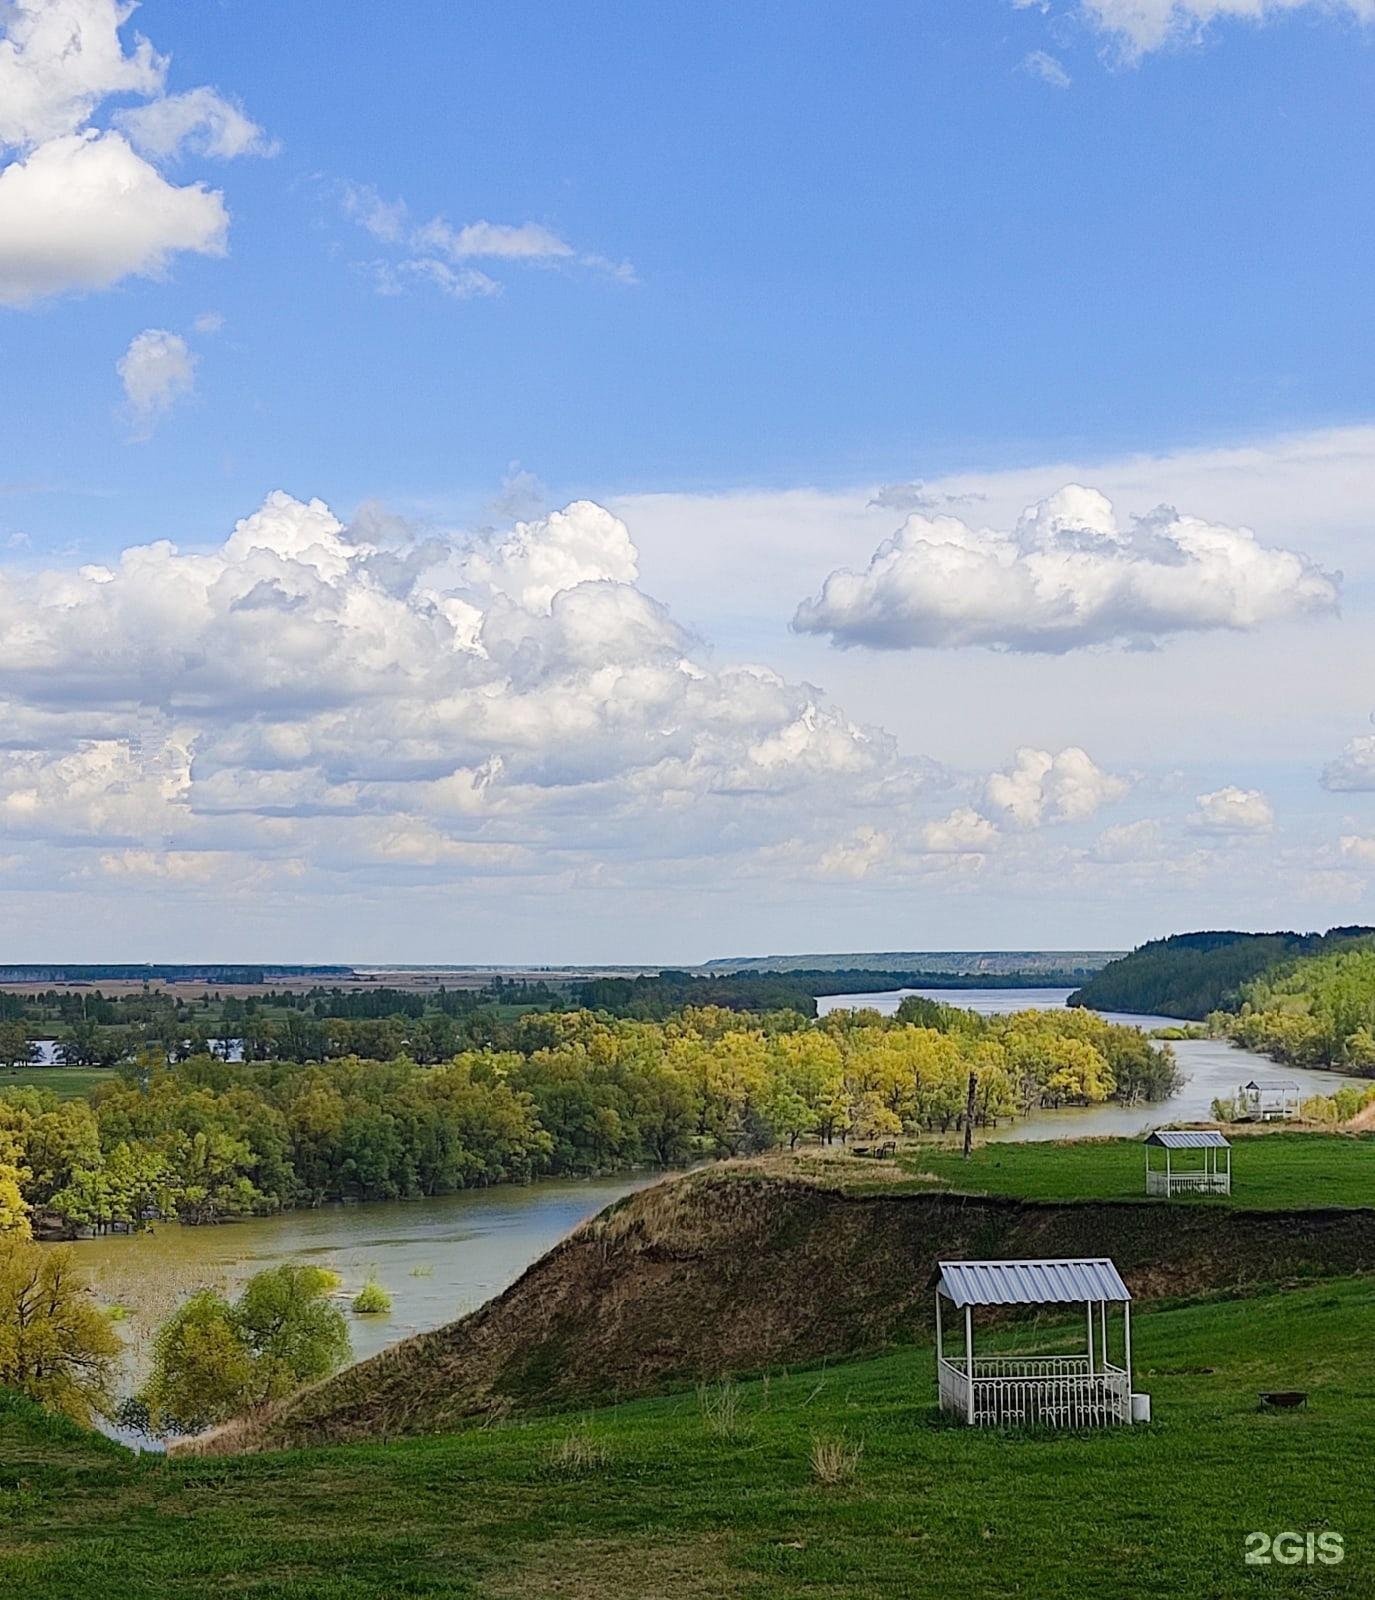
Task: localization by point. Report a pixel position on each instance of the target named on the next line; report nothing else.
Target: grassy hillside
(659, 1500)
(740, 1270)
(1193, 974)
(1291, 1170)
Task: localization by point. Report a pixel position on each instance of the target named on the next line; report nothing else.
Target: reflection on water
(1212, 1069)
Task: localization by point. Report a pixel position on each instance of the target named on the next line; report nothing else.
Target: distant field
(1268, 1170)
(68, 1083)
(675, 1499)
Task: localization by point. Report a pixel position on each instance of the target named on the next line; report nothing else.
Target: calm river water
(1212, 1069)
(437, 1258)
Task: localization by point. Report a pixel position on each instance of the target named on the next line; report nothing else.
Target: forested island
(566, 1092)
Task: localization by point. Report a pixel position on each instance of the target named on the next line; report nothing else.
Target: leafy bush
(213, 1360)
(372, 1300)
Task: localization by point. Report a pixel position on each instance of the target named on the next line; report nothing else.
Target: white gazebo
(1189, 1179)
(1066, 1391)
(1276, 1100)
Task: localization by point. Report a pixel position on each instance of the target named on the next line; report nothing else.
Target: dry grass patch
(578, 1453)
(834, 1459)
(720, 1408)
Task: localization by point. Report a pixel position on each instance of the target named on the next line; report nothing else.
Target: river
(437, 1258)
(1212, 1068)
(442, 1257)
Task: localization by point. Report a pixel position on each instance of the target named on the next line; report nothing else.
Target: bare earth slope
(735, 1270)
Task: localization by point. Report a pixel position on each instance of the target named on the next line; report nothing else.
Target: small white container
(1141, 1408)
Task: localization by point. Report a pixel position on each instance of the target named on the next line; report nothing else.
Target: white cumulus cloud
(1067, 576)
(1039, 787)
(80, 206)
(356, 700)
(59, 59)
(963, 830)
(1358, 848)
(157, 370)
(1353, 770)
(1234, 810)
(83, 211)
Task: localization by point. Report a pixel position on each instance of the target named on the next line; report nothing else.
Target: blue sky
(751, 264)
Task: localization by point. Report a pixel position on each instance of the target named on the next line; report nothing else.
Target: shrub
(372, 1300)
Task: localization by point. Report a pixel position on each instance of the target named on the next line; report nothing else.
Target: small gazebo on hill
(1067, 1391)
(1189, 1179)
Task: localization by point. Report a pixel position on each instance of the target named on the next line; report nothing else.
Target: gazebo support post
(938, 1329)
(969, 1362)
(1169, 1186)
(1088, 1307)
(1127, 1349)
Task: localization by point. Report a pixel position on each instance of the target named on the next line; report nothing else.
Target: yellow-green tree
(55, 1345)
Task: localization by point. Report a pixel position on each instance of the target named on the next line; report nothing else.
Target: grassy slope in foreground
(660, 1505)
(1269, 1170)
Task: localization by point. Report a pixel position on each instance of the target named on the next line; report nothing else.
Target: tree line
(1192, 975)
(571, 1093)
(1314, 1012)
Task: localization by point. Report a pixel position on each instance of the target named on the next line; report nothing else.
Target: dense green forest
(1192, 975)
(575, 1092)
(1316, 1011)
(658, 995)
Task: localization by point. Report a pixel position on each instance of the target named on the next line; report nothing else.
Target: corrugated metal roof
(1030, 1283)
(1273, 1083)
(1188, 1139)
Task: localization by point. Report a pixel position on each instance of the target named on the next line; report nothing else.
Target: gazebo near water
(1190, 1178)
(1273, 1100)
(1066, 1391)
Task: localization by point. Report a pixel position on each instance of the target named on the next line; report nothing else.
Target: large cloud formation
(349, 698)
(80, 207)
(1067, 576)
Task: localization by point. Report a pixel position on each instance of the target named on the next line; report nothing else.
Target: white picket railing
(1059, 1391)
(1168, 1183)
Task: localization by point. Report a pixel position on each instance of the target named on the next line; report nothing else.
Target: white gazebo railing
(1210, 1178)
(1055, 1391)
(1067, 1391)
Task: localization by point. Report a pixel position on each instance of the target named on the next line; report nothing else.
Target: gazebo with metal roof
(1207, 1179)
(1269, 1100)
(1068, 1391)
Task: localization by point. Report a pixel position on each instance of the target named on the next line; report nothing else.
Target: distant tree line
(1192, 975)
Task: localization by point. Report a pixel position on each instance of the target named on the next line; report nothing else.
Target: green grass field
(1268, 1170)
(67, 1083)
(660, 1499)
